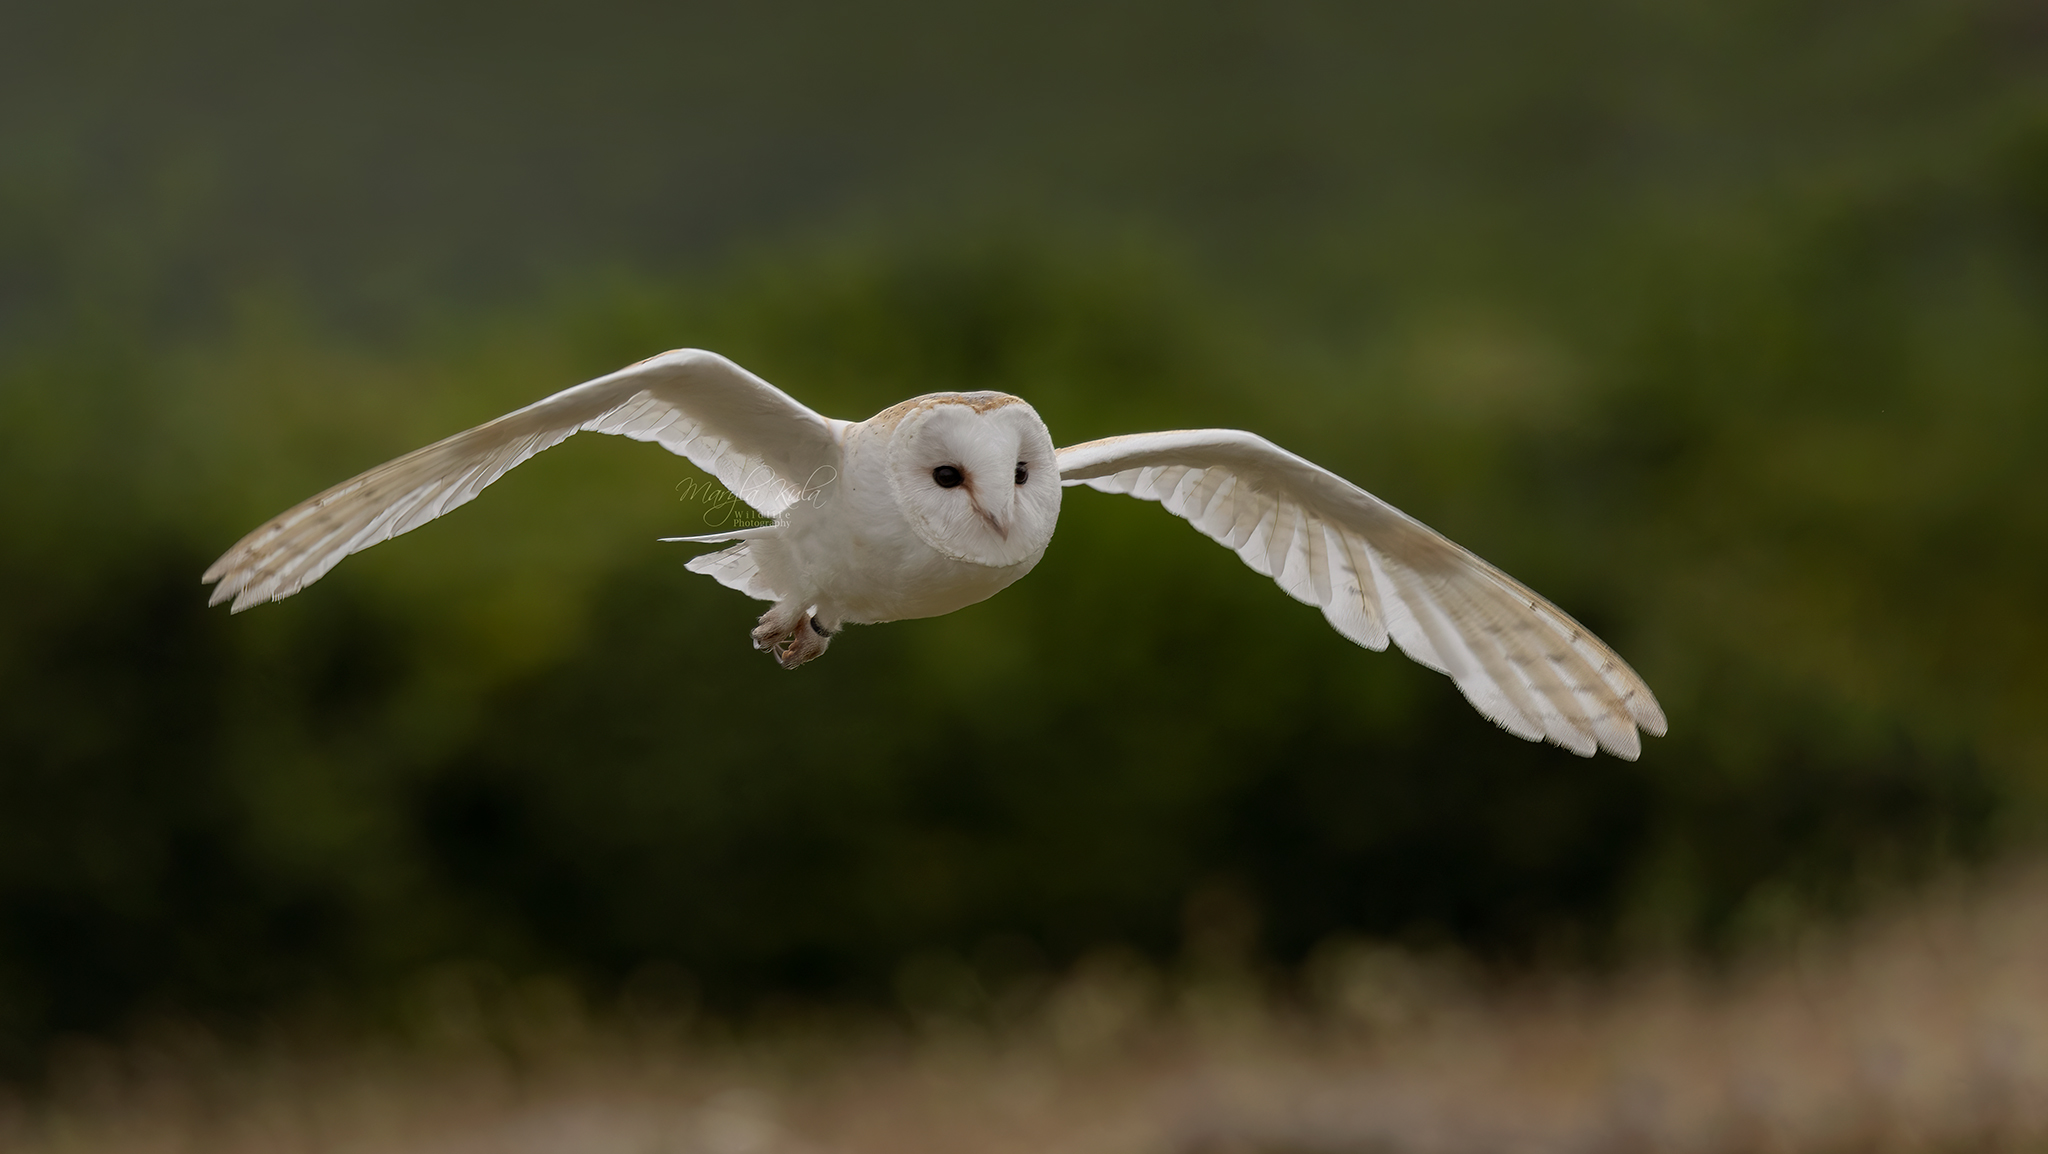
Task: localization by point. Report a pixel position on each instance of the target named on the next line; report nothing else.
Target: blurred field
(1925, 1028)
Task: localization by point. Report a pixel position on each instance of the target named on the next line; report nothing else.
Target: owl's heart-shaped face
(975, 476)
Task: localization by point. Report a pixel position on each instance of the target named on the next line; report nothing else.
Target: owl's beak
(1001, 527)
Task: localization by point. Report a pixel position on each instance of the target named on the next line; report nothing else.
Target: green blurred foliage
(1722, 325)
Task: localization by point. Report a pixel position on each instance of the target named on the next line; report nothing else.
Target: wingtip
(221, 567)
(1650, 719)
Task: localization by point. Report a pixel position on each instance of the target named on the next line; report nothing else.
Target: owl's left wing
(1376, 573)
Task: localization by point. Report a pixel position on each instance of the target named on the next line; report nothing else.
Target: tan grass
(1923, 1029)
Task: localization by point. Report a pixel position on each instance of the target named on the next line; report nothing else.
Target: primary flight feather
(943, 500)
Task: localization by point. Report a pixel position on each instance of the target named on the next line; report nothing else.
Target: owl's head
(974, 473)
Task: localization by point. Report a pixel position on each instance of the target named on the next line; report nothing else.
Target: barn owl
(945, 499)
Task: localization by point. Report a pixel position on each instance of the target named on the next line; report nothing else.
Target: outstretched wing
(752, 436)
(1376, 573)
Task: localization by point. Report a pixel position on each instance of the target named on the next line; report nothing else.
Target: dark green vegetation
(1724, 325)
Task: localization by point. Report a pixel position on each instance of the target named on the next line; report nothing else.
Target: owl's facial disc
(975, 477)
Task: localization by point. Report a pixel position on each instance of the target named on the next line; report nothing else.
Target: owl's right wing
(1376, 572)
(757, 440)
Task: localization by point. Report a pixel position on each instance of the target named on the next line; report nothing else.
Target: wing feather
(759, 442)
(735, 568)
(1378, 574)
(1354, 605)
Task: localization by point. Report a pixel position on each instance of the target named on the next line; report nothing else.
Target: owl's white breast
(848, 548)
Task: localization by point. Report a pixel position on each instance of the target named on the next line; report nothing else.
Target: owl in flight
(943, 500)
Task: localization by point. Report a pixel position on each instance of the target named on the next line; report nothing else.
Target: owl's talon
(776, 626)
(791, 638)
(807, 642)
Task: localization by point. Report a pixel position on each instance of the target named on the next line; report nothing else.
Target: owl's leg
(792, 635)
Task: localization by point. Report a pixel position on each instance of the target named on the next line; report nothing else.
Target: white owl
(943, 500)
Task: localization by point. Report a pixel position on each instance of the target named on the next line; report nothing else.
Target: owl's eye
(947, 476)
(1023, 474)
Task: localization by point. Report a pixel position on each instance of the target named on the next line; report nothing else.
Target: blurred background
(1723, 324)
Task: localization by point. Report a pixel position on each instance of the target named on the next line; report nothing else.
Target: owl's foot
(791, 638)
